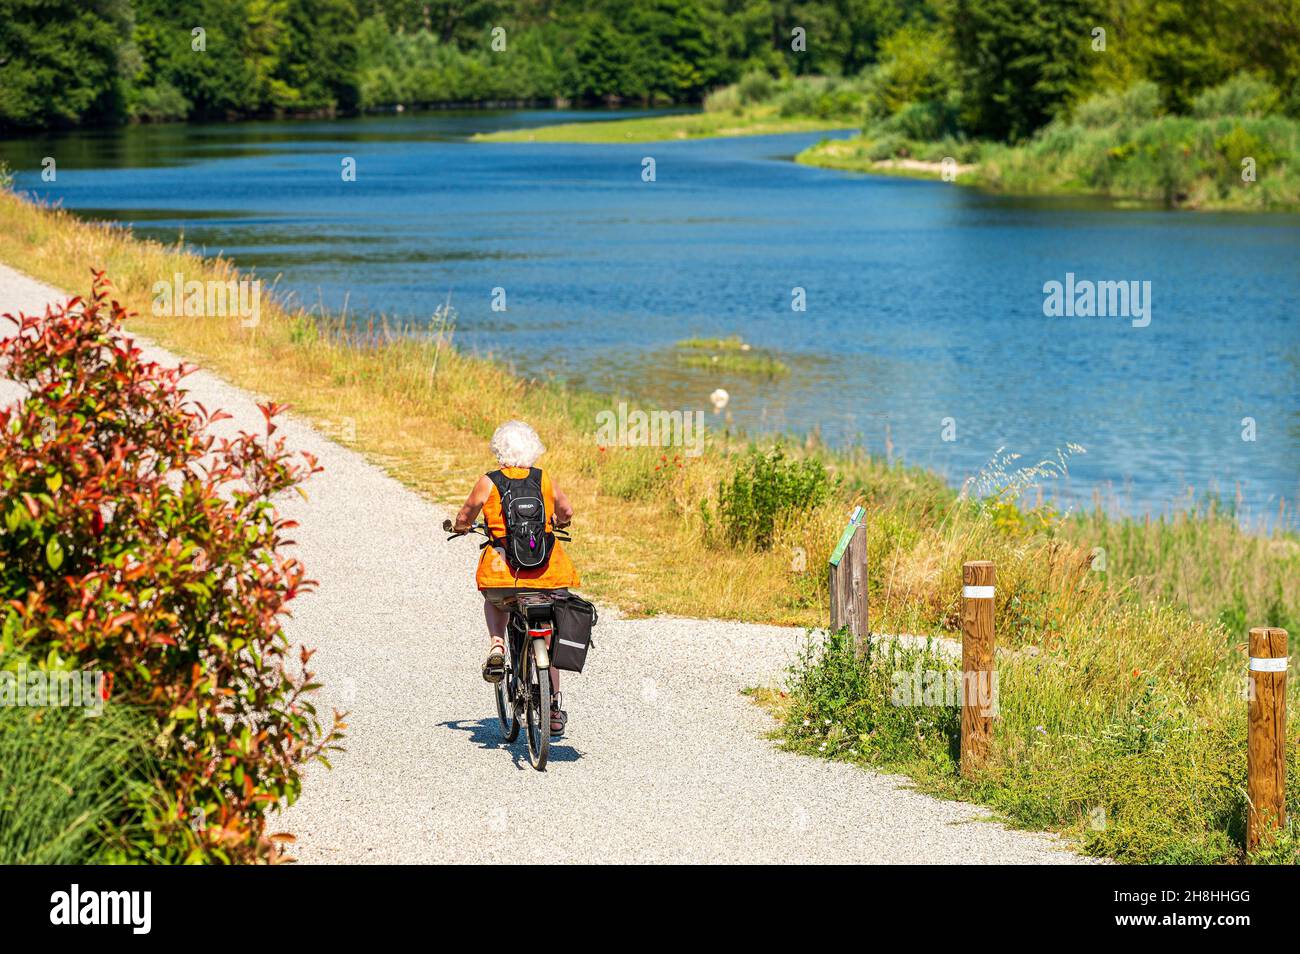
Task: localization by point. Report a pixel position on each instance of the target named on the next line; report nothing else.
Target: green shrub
(1175, 159)
(825, 97)
(1242, 95)
(1139, 103)
(886, 147)
(925, 121)
(849, 705)
(755, 87)
(764, 487)
(159, 103)
(914, 68)
(725, 99)
(135, 543)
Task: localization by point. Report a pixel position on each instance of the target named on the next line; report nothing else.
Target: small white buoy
(719, 399)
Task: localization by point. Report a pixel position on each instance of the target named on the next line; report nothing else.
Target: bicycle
(528, 634)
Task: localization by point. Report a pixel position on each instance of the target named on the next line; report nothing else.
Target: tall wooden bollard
(979, 667)
(1266, 745)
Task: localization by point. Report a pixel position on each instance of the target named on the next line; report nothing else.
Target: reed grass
(1176, 161)
(732, 355)
(64, 782)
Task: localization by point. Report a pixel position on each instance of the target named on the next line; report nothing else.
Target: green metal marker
(847, 535)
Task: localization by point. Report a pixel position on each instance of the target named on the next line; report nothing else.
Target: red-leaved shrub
(134, 542)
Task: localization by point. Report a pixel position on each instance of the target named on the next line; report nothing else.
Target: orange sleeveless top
(492, 567)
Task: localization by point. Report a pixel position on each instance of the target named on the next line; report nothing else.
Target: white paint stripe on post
(977, 592)
(1266, 664)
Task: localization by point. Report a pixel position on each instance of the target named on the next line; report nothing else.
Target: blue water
(924, 300)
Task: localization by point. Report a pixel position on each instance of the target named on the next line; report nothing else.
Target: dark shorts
(501, 596)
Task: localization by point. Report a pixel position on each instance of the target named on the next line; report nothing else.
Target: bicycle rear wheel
(539, 711)
(507, 717)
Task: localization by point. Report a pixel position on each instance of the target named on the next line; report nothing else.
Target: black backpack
(527, 545)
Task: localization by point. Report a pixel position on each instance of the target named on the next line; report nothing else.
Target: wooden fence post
(978, 663)
(848, 581)
(1266, 745)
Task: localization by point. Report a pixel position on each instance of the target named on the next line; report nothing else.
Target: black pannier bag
(573, 618)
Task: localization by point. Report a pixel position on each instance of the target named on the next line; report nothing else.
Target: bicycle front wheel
(539, 712)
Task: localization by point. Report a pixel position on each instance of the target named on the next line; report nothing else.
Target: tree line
(1001, 68)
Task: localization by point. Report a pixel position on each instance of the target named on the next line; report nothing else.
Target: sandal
(494, 670)
(559, 718)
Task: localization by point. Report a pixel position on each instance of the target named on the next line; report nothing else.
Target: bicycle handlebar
(449, 527)
(481, 527)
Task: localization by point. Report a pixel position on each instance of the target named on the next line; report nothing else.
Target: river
(924, 330)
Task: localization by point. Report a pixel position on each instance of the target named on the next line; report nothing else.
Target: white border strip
(977, 592)
(1264, 664)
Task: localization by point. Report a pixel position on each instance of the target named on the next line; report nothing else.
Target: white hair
(515, 444)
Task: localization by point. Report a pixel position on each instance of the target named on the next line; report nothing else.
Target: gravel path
(664, 760)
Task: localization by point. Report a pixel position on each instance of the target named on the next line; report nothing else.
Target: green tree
(318, 68)
(1186, 46)
(843, 36)
(467, 23)
(207, 68)
(601, 61)
(1019, 61)
(675, 49)
(59, 60)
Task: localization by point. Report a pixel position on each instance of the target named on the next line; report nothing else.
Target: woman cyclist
(516, 448)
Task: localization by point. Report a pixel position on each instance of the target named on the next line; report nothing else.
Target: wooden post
(848, 581)
(978, 663)
(1266, 746)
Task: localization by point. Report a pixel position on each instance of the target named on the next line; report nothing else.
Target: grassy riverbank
(1230, 152)
(1176, 161)
(758, 105)
(755, 122)
(1124, 694)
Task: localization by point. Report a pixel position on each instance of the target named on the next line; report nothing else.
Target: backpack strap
(501, 482)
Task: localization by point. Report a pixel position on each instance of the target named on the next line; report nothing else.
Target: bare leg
(497, 619)
(496, 623)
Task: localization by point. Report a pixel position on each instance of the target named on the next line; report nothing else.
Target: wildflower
(1040, 730)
